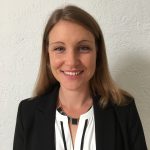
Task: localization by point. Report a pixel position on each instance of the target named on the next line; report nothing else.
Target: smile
(72, 73)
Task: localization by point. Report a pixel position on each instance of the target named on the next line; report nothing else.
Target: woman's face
(72, 54)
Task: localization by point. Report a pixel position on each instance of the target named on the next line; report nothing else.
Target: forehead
(66, 30)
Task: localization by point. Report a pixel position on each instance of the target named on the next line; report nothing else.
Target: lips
(72, 73)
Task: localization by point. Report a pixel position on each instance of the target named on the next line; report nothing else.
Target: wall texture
(126, 28)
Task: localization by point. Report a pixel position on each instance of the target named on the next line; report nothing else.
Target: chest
(75, 137)
(108, 133)
(73, 131)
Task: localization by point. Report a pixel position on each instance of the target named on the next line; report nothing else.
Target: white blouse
(86, 134)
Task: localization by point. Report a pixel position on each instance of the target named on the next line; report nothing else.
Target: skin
(72, 49)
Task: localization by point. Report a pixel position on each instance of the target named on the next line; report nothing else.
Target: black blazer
(116, 127)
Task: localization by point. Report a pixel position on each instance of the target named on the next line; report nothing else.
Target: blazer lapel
(45, 116)
(104, 126)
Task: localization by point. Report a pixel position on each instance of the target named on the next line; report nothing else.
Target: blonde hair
(102, 82)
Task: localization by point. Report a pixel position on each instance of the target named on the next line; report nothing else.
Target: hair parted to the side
(101, 83)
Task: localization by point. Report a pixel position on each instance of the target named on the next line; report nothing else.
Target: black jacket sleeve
(18, 143)
(135, 129)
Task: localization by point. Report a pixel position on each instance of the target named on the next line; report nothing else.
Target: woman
(76, 104)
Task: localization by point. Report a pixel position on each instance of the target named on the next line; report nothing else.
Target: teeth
(72, 73)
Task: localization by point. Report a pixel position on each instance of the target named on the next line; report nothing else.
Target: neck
(75, 99)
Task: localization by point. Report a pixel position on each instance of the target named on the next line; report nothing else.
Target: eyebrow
(84, 41)
(56, 42)
(59, 42)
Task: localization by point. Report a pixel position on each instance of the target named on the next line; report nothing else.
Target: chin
(72, 87)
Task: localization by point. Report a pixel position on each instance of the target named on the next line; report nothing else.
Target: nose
(71, 58)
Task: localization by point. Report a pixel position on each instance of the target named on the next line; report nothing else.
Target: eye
(59, 49)
(84, 48)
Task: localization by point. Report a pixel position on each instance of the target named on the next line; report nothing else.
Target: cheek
(54, 62)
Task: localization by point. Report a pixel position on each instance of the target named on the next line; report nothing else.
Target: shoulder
(126, 107)
(30, 104)
(128, 114)
(27, 109)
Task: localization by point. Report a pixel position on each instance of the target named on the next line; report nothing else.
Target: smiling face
(72, 54)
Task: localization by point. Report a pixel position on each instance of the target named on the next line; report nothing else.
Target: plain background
(126, 28)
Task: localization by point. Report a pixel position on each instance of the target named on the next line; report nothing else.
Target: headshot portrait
(76, 103)
(75, 76)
